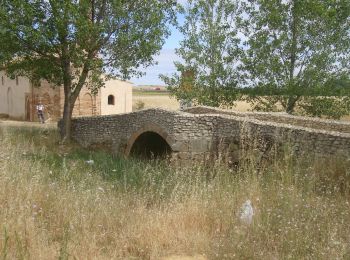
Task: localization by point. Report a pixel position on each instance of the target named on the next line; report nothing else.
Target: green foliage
(329, 107)
(107, 36)
(72, 43)
(294, 55)
(209, 52)
(294, 51)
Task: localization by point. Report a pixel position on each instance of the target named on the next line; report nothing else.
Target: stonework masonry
(201, 132)
(284, 118)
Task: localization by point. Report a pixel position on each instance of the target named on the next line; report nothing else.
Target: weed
(56, 205)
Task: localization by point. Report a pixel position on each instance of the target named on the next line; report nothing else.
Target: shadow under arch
(149, 142)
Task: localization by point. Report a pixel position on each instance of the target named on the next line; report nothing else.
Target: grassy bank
(54, 204)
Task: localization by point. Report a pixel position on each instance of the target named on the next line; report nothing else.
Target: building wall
(122, 95)
(19, 101)
(86, 104)
(50, 97)
(13, 94)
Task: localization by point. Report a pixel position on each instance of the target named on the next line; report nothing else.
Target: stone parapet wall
(114, 131)
(315, 123)
(300, 139)
(193, 136)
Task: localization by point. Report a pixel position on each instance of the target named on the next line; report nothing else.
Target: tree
(209, 53)
(71, 43)
(294, 50)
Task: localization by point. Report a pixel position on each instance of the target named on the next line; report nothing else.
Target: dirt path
(11, 123)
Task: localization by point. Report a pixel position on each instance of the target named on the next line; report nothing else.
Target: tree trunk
(293, 55)
(292, 100)
(68, 100)
(294, 43)
(67, 120)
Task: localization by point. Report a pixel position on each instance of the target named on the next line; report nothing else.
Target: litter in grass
(247, 212)
(90, 162)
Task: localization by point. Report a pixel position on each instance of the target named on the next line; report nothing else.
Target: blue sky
(165, 61)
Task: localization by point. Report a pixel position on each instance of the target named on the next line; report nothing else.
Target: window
(17, 80)
(110, 100)
(2, 80)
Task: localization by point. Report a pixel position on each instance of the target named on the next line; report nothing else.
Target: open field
(163, 100)
(150, 92)
(63, 202)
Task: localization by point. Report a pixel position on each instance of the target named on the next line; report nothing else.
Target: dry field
(165, 101)
(346, 118)
(62, 202)
(151, 101)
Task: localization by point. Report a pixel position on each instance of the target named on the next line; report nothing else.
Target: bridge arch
(150, 141)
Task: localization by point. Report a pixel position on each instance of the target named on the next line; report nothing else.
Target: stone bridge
(202, 132)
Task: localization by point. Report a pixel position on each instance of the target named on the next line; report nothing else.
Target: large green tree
(71, 43)
(296, 53)
(209, 52)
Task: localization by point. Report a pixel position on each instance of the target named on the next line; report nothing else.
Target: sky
(165, 61)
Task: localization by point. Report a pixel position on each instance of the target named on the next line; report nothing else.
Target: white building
(19, 96)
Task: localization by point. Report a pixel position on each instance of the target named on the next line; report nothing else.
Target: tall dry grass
(56, 206)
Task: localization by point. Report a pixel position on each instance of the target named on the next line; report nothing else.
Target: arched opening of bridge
(150, 145)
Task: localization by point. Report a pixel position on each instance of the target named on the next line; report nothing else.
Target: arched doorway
(76, 108)
(56, 111)
(86, 108)
(150, 145)
(46, 101)
(28, 108)
(9, 102)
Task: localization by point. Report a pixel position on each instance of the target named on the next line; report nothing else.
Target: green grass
(56, 205)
